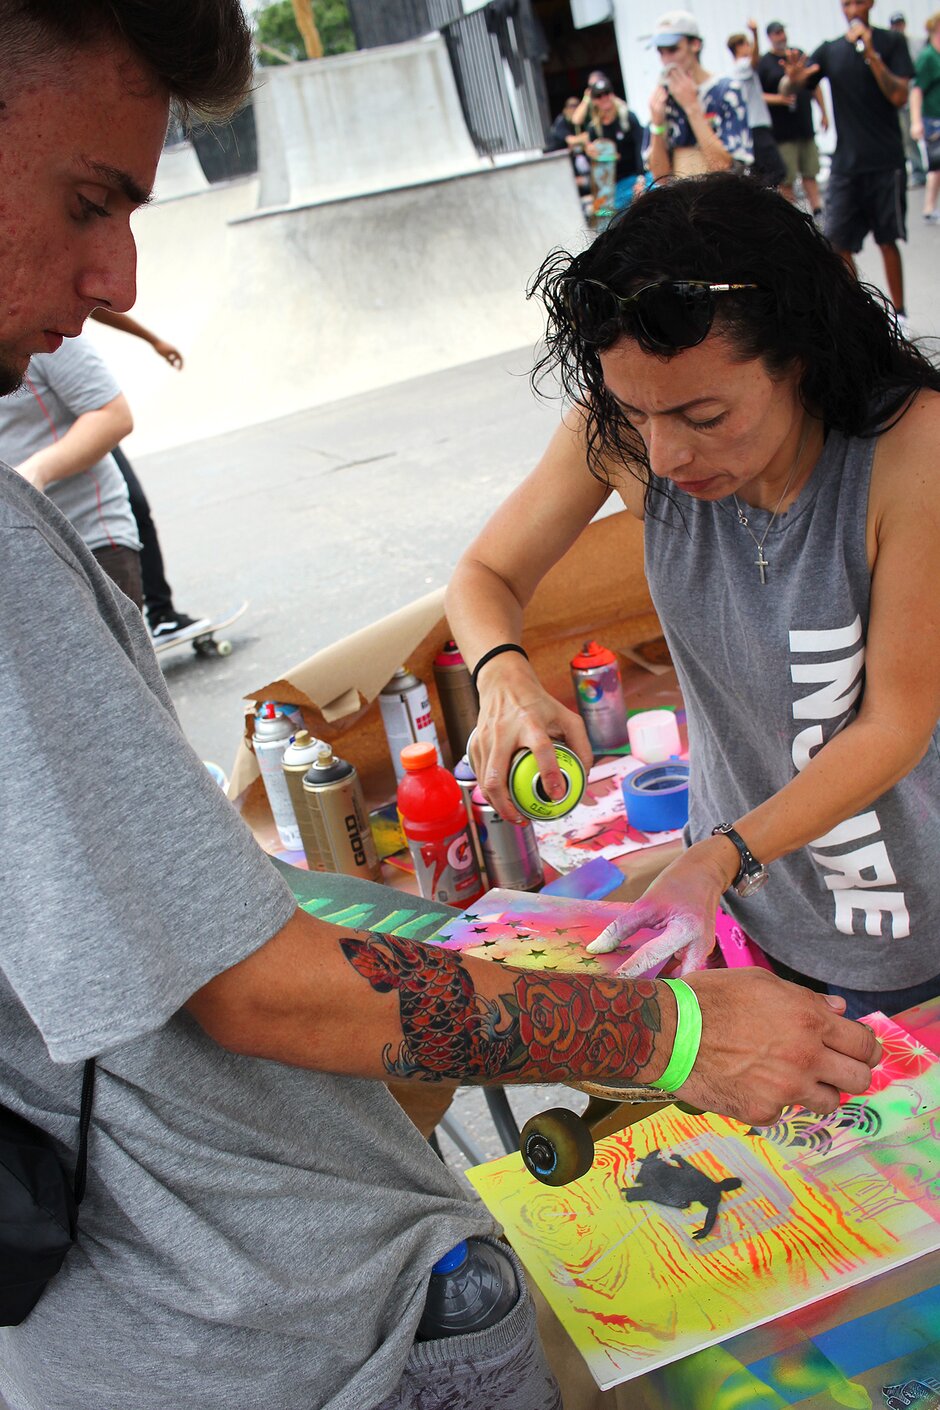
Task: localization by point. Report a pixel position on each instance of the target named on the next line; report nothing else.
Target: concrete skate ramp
(275, 312)
(360, 122)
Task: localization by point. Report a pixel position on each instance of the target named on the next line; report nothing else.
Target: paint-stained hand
(517, 713)
(680, 904)
(768, 1044)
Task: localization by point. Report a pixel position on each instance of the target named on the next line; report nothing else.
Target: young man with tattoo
(260, 1222)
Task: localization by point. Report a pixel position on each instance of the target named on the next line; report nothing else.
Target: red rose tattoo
(550, 1028)
(597, 1028)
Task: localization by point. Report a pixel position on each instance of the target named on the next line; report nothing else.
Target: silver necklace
(760, 561)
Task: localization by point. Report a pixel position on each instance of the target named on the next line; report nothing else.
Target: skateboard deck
(202, 639)
(603, 179)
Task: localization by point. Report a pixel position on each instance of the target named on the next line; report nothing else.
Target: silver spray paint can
(458, 696)
(272, 734)
(598, 691)
(337, 836)
(298, 756)
(510, 853)
(406, 715)
(467, 779)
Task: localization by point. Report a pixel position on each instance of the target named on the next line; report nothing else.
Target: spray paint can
(272, 735)
(510, 853)
(528, 794)
(458, 696)
(598, 691)
(298, 756)
(337, 836)
(467, 779)
(406, 715)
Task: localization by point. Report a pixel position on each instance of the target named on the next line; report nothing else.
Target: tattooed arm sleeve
(529, 1026)
(319, 997)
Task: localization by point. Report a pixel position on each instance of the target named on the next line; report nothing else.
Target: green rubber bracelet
(657, 129)
(688, 1037)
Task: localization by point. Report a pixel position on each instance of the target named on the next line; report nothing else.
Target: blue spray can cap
(452, 1260)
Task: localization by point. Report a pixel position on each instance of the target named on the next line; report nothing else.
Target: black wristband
(495, 651)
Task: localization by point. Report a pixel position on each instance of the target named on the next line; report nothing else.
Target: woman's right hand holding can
(516, 712)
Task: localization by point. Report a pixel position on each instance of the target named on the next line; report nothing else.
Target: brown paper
(597, 591)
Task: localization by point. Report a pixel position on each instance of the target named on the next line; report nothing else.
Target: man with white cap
(697, 122)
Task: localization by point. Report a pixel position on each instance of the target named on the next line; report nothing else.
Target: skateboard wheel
(224, 648)
(557, 1146)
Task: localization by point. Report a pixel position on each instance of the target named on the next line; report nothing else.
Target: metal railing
(499, 81)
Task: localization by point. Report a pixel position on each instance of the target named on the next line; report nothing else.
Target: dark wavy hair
(200, 50)
(859, 372)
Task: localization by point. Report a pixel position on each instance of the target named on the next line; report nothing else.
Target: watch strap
(749, 863)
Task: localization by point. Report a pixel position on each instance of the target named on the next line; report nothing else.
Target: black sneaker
(170, 625)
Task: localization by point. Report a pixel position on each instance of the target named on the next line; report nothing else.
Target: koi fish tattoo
(550, 1027)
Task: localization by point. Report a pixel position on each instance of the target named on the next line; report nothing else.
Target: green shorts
(801, 158)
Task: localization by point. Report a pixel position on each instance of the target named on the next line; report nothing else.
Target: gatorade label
(447, 870)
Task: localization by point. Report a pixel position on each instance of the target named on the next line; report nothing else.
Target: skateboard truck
(557, 1146)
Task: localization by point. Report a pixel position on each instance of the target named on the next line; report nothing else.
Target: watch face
(752, 882)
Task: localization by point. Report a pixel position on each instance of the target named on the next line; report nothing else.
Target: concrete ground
(329, 519)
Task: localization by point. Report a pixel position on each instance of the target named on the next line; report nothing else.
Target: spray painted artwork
(689, 1229)
(541, 932)
(598, 826)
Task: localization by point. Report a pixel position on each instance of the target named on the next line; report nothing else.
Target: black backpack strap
(84, 1121)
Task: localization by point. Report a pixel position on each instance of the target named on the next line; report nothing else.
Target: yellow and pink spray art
(690, 1229)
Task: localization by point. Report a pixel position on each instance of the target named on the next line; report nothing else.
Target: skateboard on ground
(202, 639)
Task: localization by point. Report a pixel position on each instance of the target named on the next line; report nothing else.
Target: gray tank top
(769, 674)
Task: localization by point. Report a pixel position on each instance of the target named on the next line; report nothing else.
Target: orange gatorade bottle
(434, 820)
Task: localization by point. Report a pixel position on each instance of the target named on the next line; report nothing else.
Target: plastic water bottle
(434, 821)
(471, 1288)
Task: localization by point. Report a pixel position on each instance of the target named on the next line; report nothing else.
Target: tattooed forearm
(541, 1027)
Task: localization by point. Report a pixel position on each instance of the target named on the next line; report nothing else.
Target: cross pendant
(761, 562)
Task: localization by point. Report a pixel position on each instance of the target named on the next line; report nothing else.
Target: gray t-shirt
(253, 1235)
(60, 387)
(758, 113)
(769, 674)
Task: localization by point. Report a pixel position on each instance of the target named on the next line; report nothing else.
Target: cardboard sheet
(597, 590)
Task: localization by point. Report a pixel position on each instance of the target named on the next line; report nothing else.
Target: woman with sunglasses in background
(759, 409)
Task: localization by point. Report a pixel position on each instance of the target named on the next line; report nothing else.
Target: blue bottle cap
(452, 1260)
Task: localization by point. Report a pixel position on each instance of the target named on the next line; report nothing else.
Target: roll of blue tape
(657, 797)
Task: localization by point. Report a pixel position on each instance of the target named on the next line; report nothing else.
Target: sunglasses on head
(671, 314)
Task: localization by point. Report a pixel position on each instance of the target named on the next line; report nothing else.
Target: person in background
(898, 25)
(767, 165)
(59, 430)
(585, 112)
(868, 71)
(792, 122)
(165, 621)
(564, 135)
(725, 373)
(697, 122)
(608, 124)
(925, 113)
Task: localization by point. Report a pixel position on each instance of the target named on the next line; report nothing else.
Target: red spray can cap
(592, 656)
(449, 655)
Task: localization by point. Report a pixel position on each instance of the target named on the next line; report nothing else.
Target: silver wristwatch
(752, 874)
